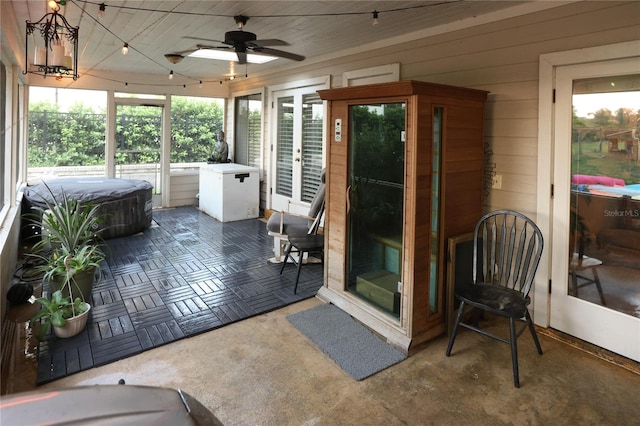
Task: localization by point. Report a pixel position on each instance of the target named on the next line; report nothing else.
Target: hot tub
(126, 203)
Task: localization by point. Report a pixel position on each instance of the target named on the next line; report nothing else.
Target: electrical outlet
(496, 182)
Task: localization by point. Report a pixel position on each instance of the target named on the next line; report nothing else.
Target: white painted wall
(501, 57)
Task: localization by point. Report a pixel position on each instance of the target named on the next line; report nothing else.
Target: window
(195, 123)
(248, 130)
(66, 132)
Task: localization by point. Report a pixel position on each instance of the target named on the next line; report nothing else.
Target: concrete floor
(262, 371)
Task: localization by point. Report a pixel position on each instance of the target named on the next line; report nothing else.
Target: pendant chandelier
(54, 45)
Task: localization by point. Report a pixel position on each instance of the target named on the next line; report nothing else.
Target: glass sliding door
(376, 203)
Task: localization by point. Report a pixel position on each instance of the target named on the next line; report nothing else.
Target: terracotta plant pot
(73, 325)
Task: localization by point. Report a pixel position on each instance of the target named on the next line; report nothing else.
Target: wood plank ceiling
(314, 29)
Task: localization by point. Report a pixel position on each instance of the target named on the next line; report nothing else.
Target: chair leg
(295, 289)
(514, 351)
(286, 257)
(596, 279)
(532, 329)
(452, 338)
(574, 284)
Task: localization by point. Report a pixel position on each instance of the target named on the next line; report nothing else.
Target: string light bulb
(52, 4)
(125, 48)
(101, 10)
(200, 85)
(375, 18)
(171, 75)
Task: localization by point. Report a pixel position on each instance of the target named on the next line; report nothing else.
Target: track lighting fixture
(125, 48)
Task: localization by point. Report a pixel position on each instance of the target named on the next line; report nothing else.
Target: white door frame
(165, 160)
(545, 179)
(274, 93)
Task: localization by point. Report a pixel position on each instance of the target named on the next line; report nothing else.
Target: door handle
(348, 194)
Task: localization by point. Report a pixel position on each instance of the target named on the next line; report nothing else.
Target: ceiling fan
(241, 42)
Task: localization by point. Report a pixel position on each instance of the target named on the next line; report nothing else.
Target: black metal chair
(310, 244)
(506, 252)
(282, 225)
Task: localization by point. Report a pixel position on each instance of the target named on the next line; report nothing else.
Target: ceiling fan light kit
(174, 58)
(206, 52)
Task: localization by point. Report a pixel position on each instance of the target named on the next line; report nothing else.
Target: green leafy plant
(64, 264)
(70, 238)
(66, 223)
(56, 311)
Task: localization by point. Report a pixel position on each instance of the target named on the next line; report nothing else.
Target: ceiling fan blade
(279, 53)
(203, 39)
(205, 46)
(267, 42)
(185, 52)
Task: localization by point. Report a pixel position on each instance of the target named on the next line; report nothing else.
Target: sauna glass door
(376, 203)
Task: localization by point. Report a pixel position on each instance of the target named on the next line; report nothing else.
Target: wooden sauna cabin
(404, 173)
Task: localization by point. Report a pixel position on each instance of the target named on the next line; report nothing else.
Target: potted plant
(69, 239)
(76, 269)
(67, 315)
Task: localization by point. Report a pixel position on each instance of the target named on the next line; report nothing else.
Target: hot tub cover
(85, 189)
(126, 204)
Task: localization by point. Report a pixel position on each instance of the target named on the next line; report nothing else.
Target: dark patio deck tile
(220, 297)
(177, 294)
(159, 334)
(115, 348)
(186, 274)
(136, 289)
(233, 311)
(130, 278)
(146, 317)
(199, 322)
(207, 287)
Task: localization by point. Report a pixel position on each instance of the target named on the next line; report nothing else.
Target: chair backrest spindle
(509, 246)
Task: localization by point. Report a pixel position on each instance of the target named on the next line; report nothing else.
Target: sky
(95, 98)
(65, 98)
(590, 103)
